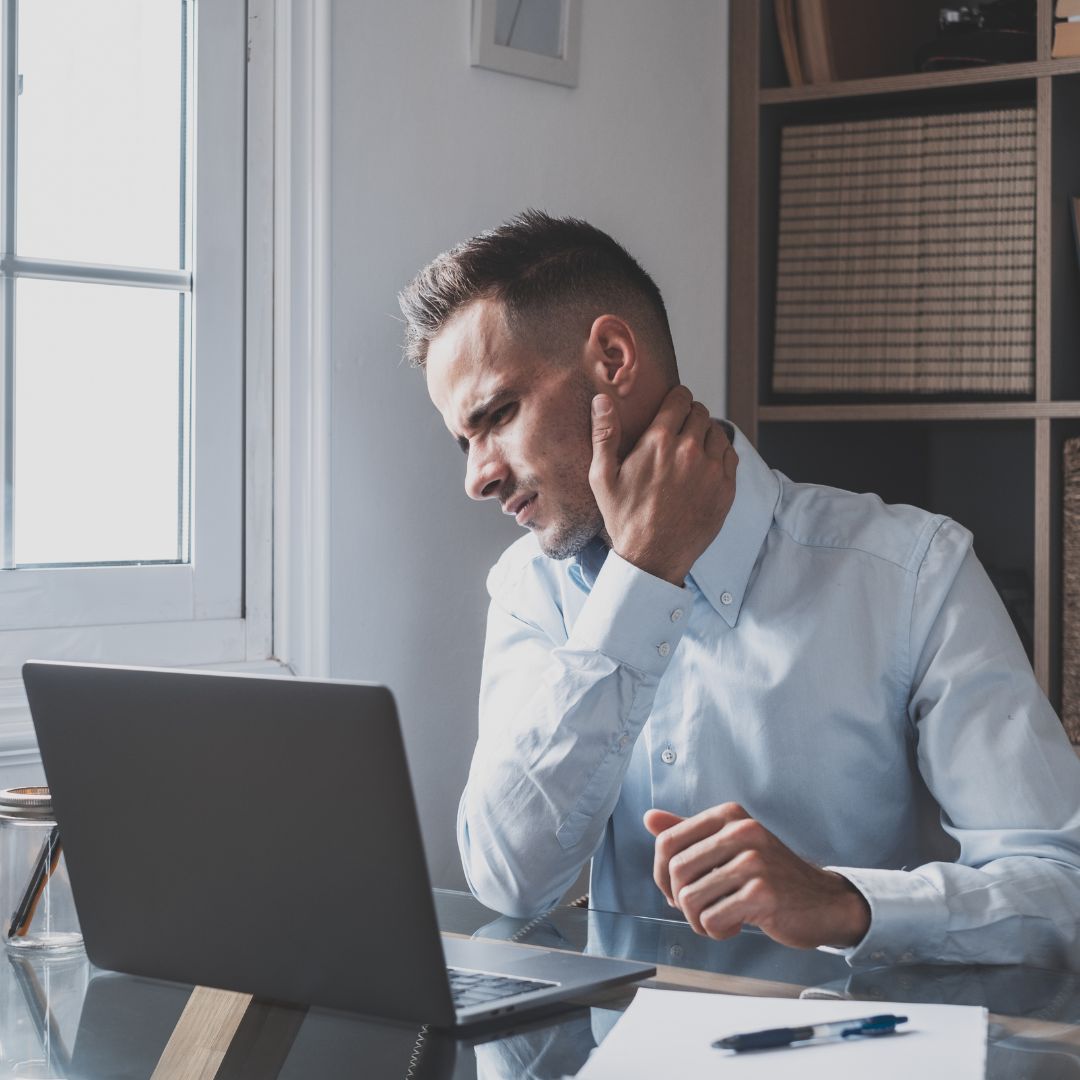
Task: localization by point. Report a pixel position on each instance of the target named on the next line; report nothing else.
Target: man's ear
(611, 355)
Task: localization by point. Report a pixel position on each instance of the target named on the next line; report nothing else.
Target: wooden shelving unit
(994, 464)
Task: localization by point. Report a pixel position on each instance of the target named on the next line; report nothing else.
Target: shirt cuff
(907, 917)
(632, 617)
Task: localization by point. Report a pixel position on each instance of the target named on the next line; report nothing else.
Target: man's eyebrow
(477, 416)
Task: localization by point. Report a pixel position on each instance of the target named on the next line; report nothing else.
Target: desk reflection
(71, 1021)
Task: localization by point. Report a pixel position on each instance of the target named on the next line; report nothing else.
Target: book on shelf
(1066, 32)
(815, 40)
(906, 256)
(1066, 40)
(1070, 577)
(789, 41)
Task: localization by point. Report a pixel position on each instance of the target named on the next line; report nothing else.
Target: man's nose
(484, 474)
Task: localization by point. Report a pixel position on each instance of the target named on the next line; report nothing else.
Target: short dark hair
(552, 275)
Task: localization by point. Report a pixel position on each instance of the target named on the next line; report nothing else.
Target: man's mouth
(521, 508)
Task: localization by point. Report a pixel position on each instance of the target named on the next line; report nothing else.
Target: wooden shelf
(995, 465)
(918, 82)
(916, 410)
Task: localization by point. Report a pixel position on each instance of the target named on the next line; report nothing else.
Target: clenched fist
(721, 869)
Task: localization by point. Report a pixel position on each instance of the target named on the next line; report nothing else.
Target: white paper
(668, 1033)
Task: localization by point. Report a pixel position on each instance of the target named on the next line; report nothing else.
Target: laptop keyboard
(479, 987)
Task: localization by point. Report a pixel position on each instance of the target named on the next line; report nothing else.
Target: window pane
(97, 423)
(99, 136)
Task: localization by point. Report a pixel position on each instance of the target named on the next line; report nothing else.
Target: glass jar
(36, 906)
(41, 1000)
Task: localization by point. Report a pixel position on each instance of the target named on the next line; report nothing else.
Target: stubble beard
(572, 536)
(579, 521)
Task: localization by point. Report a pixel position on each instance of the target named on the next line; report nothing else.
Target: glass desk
(62, 1018)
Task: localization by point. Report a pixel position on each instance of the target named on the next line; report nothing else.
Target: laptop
(259, 834)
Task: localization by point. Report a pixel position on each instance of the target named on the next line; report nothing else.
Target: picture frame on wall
(537, 39)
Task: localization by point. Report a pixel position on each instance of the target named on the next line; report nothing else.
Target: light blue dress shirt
(841, 668)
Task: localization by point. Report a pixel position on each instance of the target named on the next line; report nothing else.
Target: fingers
(715, 850)
(656, 821)
(731, 463)
(605, 438)
(717, 444)
(679, 837)
(702, 902)
(673, 410)
(697, 423)
(748, 905)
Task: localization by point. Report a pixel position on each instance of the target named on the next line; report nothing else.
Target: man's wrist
(665, 569)
(853, 914)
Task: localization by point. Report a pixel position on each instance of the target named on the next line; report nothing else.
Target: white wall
(427, 151)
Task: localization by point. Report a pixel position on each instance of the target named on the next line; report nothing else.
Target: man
(756, 701)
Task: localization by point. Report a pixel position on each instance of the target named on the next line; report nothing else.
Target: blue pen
(844, 1029)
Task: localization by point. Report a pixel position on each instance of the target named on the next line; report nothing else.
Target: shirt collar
(586, 565)
(723, 569)
(722, 572)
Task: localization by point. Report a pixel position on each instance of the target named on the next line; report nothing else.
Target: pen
(46, 863)
(775, 1037)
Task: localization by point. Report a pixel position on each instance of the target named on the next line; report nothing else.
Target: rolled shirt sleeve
(559, 716)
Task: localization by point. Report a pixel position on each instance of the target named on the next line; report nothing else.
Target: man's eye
(503, 412)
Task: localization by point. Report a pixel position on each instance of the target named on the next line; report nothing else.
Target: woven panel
(906, 256)
(1070, 638)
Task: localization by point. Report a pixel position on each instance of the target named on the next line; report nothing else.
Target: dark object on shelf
(1014, 588)
(974, 35)
(989, 15)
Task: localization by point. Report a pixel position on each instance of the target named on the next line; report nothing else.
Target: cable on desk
(421, 1035)
(417, 1052)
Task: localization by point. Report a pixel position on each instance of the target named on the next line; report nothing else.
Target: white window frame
(217, 610)
(185, 610)
(284, 623)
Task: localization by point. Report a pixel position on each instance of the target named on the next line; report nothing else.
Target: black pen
(44, 866)
(844, 1029)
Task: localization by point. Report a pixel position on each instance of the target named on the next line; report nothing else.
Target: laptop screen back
(246, 832)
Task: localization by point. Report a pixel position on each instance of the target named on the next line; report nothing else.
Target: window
(122, 303)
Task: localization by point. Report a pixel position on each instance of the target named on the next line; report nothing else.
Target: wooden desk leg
(202, 1035)
(262, 1042)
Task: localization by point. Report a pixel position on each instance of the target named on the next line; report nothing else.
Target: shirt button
(726, 598)
(663, 648)
(624, 742)
(877, 956)
(676, 615)
(676, 952)
(668, 756)
(908, 957)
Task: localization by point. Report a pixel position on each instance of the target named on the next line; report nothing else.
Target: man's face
(524, 422)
